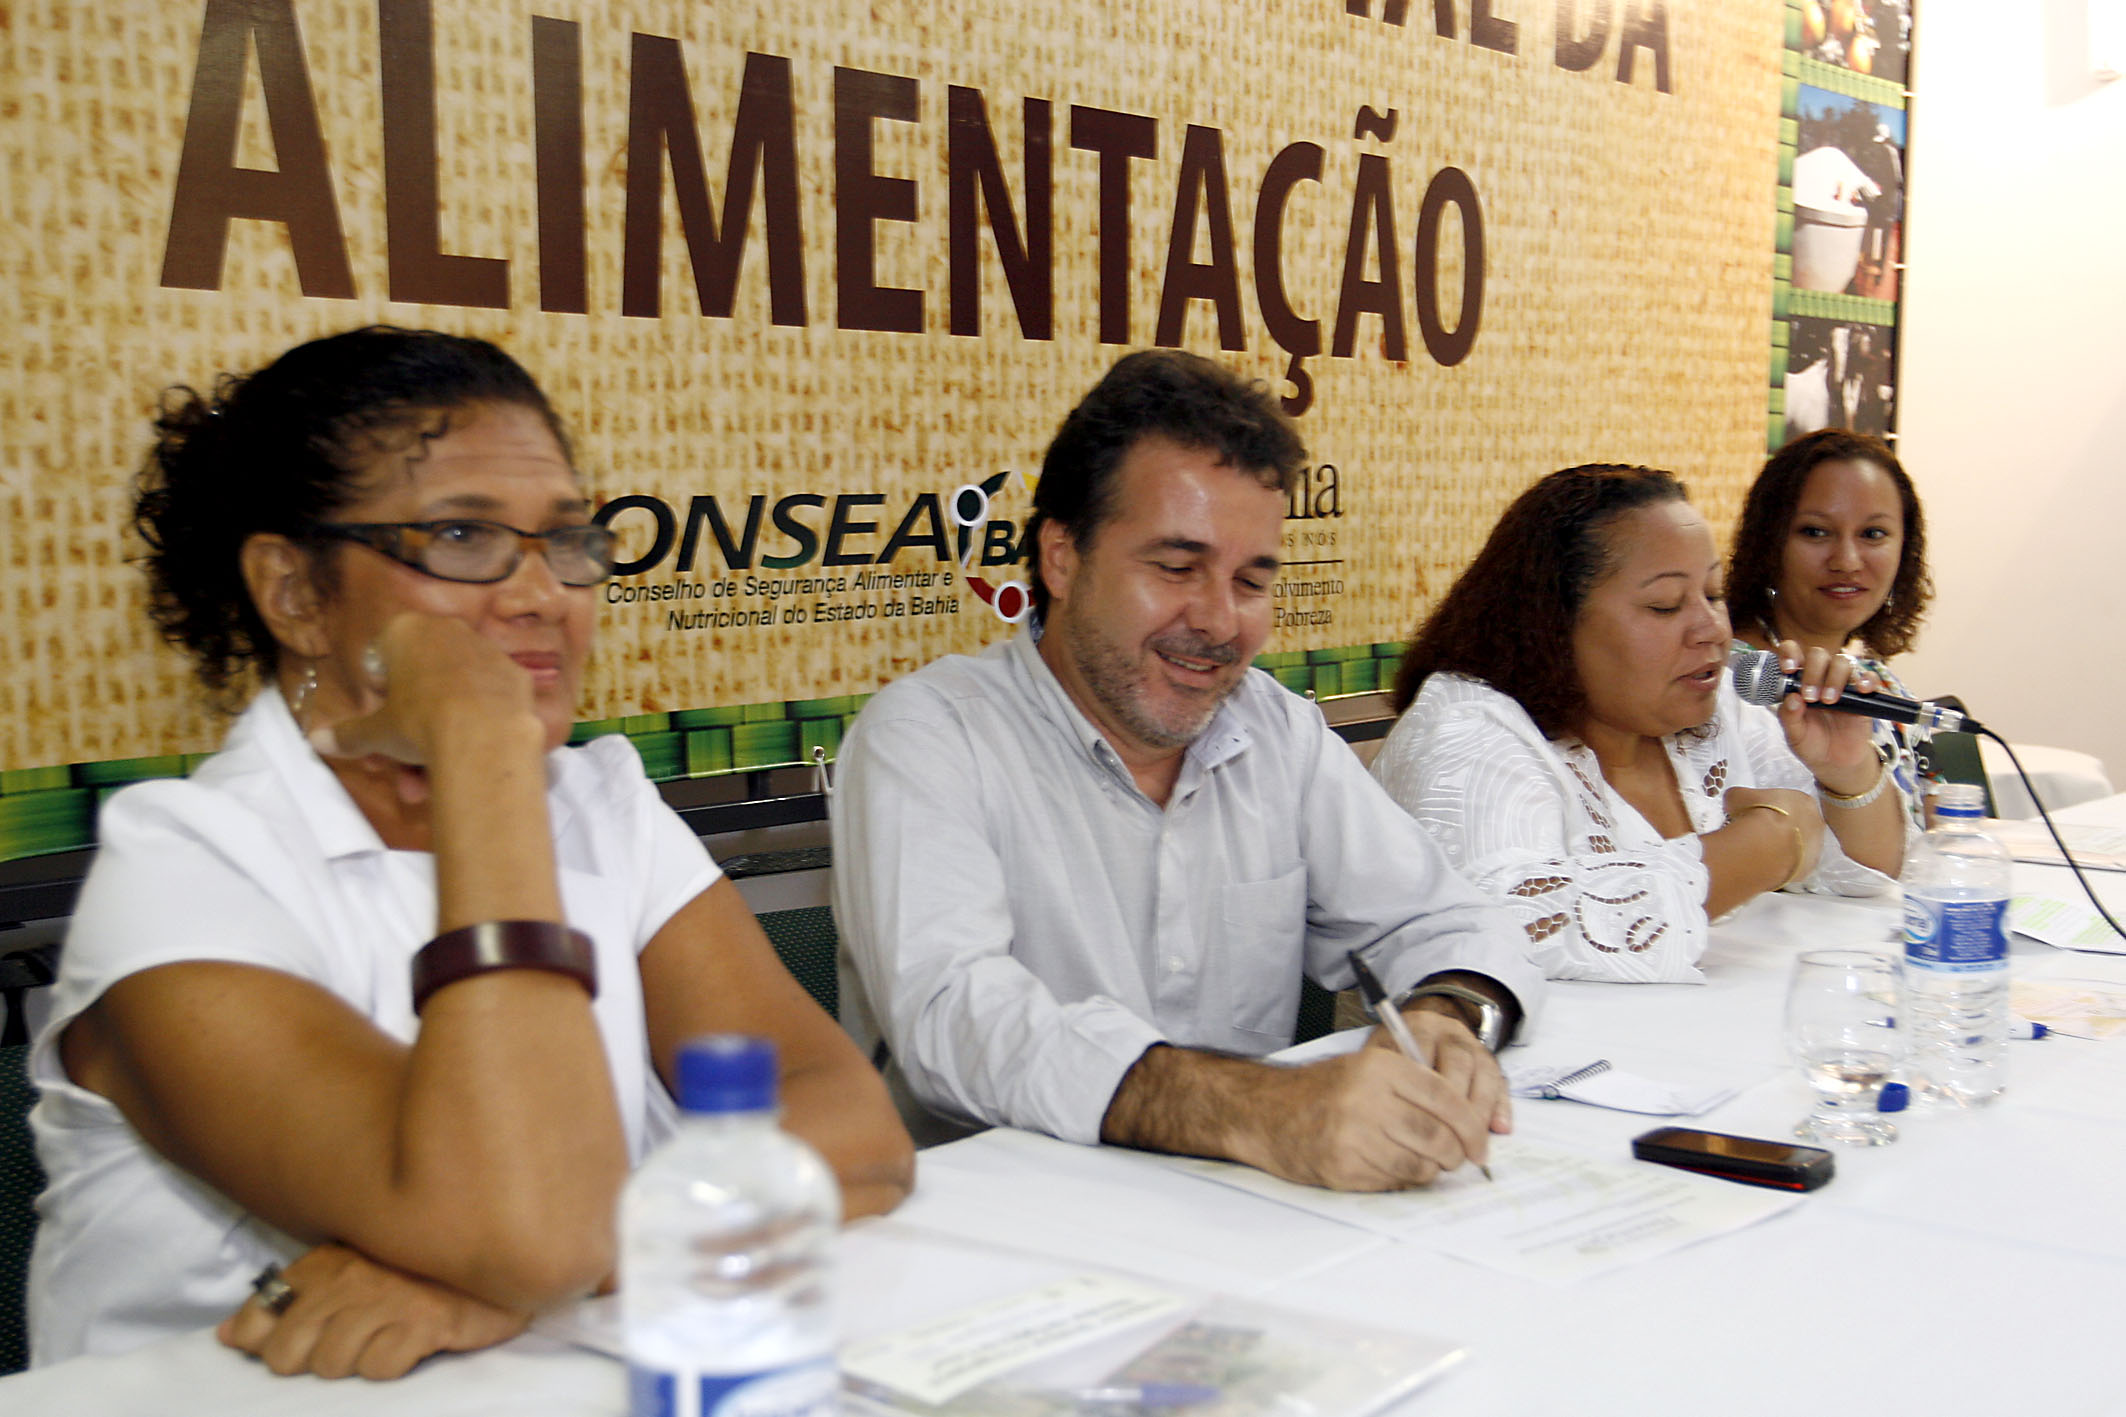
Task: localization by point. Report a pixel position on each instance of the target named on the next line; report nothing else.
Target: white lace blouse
(1600, 892)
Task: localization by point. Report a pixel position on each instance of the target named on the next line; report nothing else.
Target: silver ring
(274, 1293)
(373, 665)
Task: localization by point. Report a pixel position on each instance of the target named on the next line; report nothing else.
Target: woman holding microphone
(1570, 735)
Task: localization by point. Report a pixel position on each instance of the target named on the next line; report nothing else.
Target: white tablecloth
(1977, 1266)
(2062, 776)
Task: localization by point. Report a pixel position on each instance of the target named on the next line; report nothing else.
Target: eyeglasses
(481, 553)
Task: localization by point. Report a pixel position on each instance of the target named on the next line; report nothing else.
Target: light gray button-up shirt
(1024, 922)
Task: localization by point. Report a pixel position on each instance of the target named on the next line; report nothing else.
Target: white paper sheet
(2064, 921)
(2095, 848)
(937, 1361)
(1604, 1086)
(2074, 1008)
(1549, 1213)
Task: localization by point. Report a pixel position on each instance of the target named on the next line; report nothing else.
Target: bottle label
(801, 1390)
(1956, 936)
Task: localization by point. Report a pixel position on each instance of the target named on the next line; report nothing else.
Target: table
(1979, 1262)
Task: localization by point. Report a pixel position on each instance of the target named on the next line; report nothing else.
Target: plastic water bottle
(724, 1234)
(1956, 954)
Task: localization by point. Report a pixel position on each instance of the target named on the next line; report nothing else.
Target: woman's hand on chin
(1839, 748)
(430, 679)
(354, 1317)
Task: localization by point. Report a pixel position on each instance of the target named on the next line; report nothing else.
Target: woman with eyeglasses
(360, 1027)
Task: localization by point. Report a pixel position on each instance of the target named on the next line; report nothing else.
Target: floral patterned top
(1600, 893)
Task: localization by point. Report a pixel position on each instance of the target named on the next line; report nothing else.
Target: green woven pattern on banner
(1389, 649)
(1782, 297)
(708, 751)
(1819, 75)
(709, 717)
(1782, 268)
(1783, 234)
(763, 713)
(1790, 96)
(123, 770)
(596, 728)
(819, 708)
(637, 723)
(1283, 659)
(15, 780)
(1779, 365)
(1790, 133)
(33, 823)
(1361, 676)
(818, 733)
(764, 745)
(1832, 305)
(1775, 433)
(1339, 654)
(663, 754)
(1328, 680)
(1296, 677)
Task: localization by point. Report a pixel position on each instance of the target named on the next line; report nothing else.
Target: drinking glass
(1841, 1026)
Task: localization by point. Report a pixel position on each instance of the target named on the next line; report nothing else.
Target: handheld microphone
(1760, 681)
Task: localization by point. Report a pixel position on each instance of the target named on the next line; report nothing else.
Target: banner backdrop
(814, 283)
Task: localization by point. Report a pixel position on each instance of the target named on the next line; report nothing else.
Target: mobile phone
(1746, 1159)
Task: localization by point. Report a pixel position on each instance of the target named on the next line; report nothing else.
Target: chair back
(21, 1179)
(1954, 757)
(805, 940)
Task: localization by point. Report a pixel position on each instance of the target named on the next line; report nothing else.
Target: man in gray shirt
(1080, 874)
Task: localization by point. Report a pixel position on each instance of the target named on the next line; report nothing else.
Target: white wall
(2013, 373)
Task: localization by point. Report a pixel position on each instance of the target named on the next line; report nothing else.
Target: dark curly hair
(1508, 619)
(280, 450)
(1155, 393)
(1768, 514)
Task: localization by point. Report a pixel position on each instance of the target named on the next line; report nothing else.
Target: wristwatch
(1490, 1025)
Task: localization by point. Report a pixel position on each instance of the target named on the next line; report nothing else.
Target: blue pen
(1144, 1395)
(2024, 1028)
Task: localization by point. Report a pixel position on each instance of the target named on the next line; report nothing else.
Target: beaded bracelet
(502, 944)
(1859, 799)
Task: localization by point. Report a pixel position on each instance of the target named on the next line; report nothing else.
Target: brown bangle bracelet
(502, 944)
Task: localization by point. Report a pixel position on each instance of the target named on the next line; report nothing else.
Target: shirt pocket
(1261, 944)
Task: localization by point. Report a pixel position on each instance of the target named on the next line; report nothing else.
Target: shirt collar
(1222, 739)
(314, 792)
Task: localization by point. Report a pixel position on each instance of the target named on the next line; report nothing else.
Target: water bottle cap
(727, 1072)
(1895, 1097)
(1959, 799)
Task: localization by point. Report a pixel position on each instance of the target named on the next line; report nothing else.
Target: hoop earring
(304, 688)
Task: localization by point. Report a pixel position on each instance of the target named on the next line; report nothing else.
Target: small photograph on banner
(1849, 197)
(1840, 374)
(1864, 36)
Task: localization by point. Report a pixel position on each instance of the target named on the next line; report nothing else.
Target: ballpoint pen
(1391, 1019)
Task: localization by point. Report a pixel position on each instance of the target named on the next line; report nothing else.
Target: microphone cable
(2057, 839)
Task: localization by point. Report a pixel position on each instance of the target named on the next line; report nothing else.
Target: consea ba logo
(819, 536)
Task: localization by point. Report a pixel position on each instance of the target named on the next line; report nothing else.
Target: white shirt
(1600, 893)
(1024, 922)
(261, 858)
